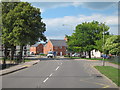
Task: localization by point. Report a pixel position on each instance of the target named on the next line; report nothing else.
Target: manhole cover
(97, 75)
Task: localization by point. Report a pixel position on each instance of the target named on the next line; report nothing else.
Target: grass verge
(110, 72)
(27, 60)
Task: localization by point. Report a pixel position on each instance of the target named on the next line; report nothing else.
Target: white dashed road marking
(50, 75)
(57, 68)
(45, 80)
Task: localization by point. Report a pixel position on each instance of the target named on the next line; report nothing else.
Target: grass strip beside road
(110, 72)
(27, 60)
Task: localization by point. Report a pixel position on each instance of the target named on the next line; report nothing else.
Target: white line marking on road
(57, 68)
(45, 80)
(50, 75)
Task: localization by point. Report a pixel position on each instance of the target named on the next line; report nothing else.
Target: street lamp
(103, 43)
(103, 46)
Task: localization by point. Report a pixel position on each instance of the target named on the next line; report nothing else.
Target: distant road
(60, 73)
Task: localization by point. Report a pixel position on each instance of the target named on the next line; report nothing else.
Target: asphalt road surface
(57, 73)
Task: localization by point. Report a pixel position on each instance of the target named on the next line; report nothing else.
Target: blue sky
(55, 14)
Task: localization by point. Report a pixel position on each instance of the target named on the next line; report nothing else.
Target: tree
(6, 29)
(100, 43)
(23, 26)
(112, 45)
(85, 36)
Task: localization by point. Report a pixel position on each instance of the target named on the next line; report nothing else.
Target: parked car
(50, 54)
(76, 55)
(83, 56)
(105, 56)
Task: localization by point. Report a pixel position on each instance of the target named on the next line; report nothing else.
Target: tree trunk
(21, 52)
(89, 53)
(5, 56)
(12, 52)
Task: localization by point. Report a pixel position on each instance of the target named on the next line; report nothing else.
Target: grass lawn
(27, 60)
(110, 72)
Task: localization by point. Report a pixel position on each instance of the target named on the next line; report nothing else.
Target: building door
(60, 53)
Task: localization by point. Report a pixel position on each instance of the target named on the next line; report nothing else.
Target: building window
(55, 47)
(60, 47)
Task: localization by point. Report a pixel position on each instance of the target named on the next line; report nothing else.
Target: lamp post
(103, 63)
(103, 47)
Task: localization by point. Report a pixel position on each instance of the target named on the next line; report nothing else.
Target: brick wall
(33, 49)
(60, 49)
(48, 47)
(37, 50)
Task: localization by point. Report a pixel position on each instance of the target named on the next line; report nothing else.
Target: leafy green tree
(100, 43)
(86, 34)
(23, 25)
(112, 45)
(6, 29)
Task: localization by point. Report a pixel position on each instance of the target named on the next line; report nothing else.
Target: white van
(50, 54)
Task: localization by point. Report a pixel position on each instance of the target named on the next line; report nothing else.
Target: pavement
(101, 63)
(18, 67)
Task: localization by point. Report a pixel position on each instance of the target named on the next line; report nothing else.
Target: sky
(61, 18)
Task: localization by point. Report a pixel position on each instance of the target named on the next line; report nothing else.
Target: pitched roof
(35, 45)
(58, 42)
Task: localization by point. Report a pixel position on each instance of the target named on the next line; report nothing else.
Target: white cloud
(114, 30)
(76, 4)
(55, 37)
(92, 5)
(71, 0)
(55, 28)
(110, 20)
(48, 5)
(100, 5)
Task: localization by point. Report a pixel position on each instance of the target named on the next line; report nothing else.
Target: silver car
(76, 55)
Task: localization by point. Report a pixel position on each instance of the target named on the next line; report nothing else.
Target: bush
(42, 54)
(66, 55)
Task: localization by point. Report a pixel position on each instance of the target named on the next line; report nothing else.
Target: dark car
(105, 56)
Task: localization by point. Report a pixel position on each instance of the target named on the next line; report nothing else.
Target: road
(59, 73)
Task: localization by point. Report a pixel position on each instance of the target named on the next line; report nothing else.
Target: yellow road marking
(26, 65)
(105, 86)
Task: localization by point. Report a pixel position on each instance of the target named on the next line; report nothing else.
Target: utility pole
(103, 61)
(103, 45)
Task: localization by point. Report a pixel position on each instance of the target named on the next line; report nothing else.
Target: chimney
(65, 38)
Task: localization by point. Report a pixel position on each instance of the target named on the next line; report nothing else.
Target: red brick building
(59, 46)
(36, 49)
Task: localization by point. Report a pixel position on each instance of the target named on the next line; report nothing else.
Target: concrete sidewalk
(113, 65)
(18, 67)
(100, 63)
